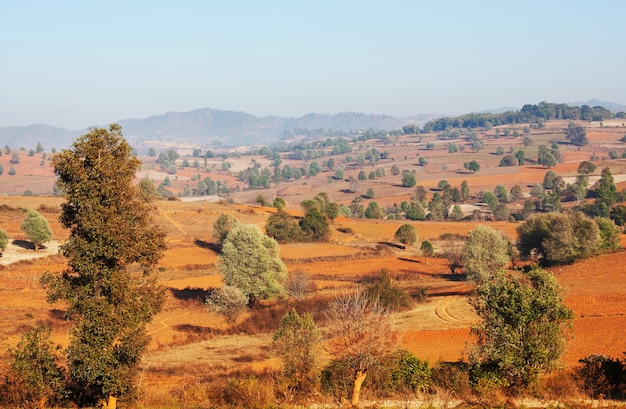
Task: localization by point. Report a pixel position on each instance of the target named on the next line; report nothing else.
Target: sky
(75, 64)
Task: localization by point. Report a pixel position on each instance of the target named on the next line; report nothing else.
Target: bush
(452, 377)
(410, 373)
(602, 375)
(299, 284)
(4, 240)
(250, 392)
(34, 377)
(389, 295)
(229, 301)
(283, 227)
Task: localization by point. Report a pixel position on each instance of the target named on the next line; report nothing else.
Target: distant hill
(611, 106)
(28, 137)
(210, 127)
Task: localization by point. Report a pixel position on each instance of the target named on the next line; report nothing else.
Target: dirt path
(19, 250)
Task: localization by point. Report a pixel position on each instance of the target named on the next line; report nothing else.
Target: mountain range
(211, 127)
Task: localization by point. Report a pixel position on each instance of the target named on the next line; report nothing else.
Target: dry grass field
(190, 343)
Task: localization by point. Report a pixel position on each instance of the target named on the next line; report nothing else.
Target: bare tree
(362, 336)
(452, 250)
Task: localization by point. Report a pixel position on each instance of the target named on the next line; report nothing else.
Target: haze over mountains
(211, 127)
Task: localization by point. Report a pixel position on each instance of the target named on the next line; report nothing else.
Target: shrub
(283, 227)
(299, 284)
(386, 293)
(602, 375)
(4, 240)
(410, 373)
(314, 225)
(229, 301)
(297, 342)
(35, 376)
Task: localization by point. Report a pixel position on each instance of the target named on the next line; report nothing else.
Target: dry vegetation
(192, 348)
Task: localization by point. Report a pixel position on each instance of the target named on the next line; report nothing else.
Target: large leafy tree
(406, 234)
(576, 134)
(521, 334)
(556, 238)
(250, 262)
(108, 300)
(485, 253)
(37, 228)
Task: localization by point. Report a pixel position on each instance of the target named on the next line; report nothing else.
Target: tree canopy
(36, 228)
(521, 333)
(111, 228)
(249, 261)
(406, 234)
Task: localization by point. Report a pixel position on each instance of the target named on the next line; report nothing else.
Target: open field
(189, 342)
(185, 335)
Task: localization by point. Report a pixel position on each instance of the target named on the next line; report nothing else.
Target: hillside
(210, 128)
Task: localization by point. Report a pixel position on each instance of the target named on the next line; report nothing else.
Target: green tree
(406, 234)
(15, 158)
(576, 134)
(427, 249)
(35, 367)
(501, 193)
(606, 190)
(314, 225)
(415, 211)
(36, 228)
(222, 226)
(370, 193)
(12, 171)
(279, 203)
(408, 179)
(554, 238)
(362, 175)
(147, 189)
(521, 160)
(395, 169)
(485, 253)
(249, 261)
(297, 342)
(472, 166)
(283, 227)
(111, 230)
(465, 191)
(508, 160)
(151, 152)
(39, 147)
(517, 192)
(609, 234)
(422, 161)
(521, 334)
(546, 159)
(373, 211)
(4, 241)
(362, 336)
(457, 213)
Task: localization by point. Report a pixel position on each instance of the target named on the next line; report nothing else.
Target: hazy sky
(79, 63)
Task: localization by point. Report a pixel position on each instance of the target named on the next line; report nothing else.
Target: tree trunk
(36, 247)
(359, 377)
(42, 402)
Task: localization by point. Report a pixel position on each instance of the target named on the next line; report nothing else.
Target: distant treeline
(543, 111)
